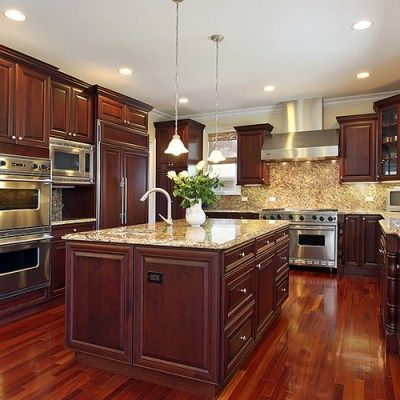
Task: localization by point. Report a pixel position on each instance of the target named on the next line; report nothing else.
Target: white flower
(171, 175)
(183, 174)
(200, 165)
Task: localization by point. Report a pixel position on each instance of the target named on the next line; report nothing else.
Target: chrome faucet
(168, 220)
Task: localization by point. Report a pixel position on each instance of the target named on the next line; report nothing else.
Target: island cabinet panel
(99, 300)
(176, 311)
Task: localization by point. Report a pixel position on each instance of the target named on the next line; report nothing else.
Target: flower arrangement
(195, 189)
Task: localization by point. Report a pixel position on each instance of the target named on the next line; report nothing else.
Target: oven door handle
(316, 228)
(23, 241)
(28, 179)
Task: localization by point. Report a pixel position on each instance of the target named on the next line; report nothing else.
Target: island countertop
(214, 234)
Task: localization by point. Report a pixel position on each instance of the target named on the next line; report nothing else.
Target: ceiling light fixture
(183, 100)
(176, 146)
(125, 71)
(216, 155)
(269, 88)
(361, 25)
(15, 15)
(362, 75)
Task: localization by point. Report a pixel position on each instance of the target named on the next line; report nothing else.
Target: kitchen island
(176, 306)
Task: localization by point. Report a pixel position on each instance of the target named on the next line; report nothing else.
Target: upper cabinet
(7, 100)
(120, 109)
(71, 112)
(250, 168)
(358, 147)
(388, 133)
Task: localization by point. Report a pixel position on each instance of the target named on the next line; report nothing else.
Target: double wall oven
(25, 191)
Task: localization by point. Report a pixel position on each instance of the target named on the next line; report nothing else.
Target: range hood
(304, 138)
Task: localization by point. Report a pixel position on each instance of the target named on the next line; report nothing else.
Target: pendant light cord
(176, 67)
(216, 91)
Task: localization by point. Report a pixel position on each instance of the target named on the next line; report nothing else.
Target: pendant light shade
(176, 146)
(216, 155)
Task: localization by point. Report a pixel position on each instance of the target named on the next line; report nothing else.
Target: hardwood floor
(327, 344)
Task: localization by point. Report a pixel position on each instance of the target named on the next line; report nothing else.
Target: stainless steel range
(313, 235)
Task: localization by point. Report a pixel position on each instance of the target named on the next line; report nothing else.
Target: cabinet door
(110, 110)
(370, 241)
(57, 286)
(136, 174)
(7, 101)
(352, 240)
(110, 186)
(265, 279)
(135, 118)
(60, 109)
(163, 137)
(82, 128)
(357, 147)
(32, 107)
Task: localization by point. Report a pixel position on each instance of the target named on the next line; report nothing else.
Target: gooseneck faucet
(168, 220)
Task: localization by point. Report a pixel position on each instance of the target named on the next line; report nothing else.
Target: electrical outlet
(272, 199)
(245, 198)
(369, 198)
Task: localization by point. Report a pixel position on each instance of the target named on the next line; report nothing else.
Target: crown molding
(362, 98)
(157, 114)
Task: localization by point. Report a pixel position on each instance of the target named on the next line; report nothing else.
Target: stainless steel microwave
(393, 199)
(72, 162)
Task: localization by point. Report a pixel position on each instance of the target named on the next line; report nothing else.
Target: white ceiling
(305, 48)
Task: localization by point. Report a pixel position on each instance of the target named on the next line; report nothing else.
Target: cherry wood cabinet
(71, 112)
(358, 135)
(191, 133)
(7, 100)
(250, 168)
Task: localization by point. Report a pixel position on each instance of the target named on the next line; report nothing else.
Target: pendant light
(216, 155)
(176, 146)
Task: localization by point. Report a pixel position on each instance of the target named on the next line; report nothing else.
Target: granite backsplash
(309, 185)
(56, 205)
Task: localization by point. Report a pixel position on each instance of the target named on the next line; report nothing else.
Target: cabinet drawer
(282, 291)
(136, 118)
(282, 261)
(238, 341)
(239, 255)
(59, 231)
(265, 243)
(239, 290)
(282, 236)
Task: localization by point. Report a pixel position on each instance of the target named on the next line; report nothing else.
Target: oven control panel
(18, 165)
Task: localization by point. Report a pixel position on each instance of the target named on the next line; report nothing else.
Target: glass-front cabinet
(388, 133)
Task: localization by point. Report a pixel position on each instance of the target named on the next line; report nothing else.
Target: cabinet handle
(244, 290)
(69, 133)
(126, 200)
(20, 138)
(266, 242)
(258, 266)
(244, 338)
(13, 137)
(74, 230)
(381, 251)
(283, 258)
(284, 290)
(242, 255)
(74, 134)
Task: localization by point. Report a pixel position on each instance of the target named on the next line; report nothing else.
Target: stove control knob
(272, 217)
(265, 217)
(301, 218)
(279, 216)
(42, 166)
(314, 217)
(2, 163)
(321, 218)
(330, 218)
(34, 166)
(290, 216)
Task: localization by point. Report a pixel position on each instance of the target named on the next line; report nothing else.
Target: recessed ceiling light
(361, 25)
(362, 75)
(183, 100)
(15, 15)
(269, 88)
(125, 71)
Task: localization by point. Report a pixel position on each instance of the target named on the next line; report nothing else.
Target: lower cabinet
(361, 243)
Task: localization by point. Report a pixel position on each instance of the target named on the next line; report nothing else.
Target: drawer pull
(283, 258)
(20, 138)
(381, 251)
(244, 290)
(284, 290)
(242, 255)
(258, 266)
(266, 242)
(244, 338)
(13, 137)
(74, 230)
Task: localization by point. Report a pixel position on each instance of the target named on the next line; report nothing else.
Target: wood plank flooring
(327, 344)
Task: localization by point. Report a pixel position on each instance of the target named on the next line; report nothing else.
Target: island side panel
(99, 300)
(177, 296)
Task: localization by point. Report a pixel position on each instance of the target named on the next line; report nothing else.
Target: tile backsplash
(309, 185)
(56, 205)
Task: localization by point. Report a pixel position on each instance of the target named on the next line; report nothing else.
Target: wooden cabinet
(388, 132)
(123, 181)
(32, 124)
(71, 112)
(191, 133)
(57, 258)
(358, 147)
(7, 100)
(361, 244)
(250, 168)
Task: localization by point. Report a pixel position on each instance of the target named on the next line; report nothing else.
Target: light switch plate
(272, 199)
(369, 198)
(245, 198)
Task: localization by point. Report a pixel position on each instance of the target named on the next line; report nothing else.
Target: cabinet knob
(284, 290)
(69, 133)
(381, 251)
(266, 242)
(283, 258)
(258, 266)
(20, 138)
(242, 255)
(74, 134)
(244, 290)
(74, 230)
(13, 137)
(244, 338)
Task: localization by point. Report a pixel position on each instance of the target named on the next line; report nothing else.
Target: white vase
(195, 216)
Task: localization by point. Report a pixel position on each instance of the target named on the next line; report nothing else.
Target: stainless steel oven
(72, 162)
(24, 263)
(25, 191)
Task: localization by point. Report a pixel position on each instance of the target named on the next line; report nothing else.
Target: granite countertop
(214, 234)
(73, 221)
